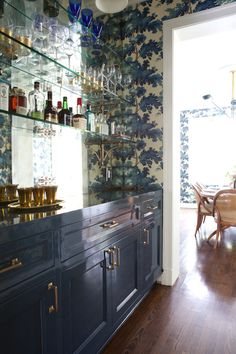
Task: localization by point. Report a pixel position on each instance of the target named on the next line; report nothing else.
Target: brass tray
(6, 202)
(34, 208)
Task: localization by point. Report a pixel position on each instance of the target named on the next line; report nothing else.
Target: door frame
(171, 140)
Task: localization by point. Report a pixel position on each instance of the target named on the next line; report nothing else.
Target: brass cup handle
(110, 224)
(147, 241)
(53, 308)
(15, 263)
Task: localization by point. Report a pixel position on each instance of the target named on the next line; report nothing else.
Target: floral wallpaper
(5, 149)
(137, 35)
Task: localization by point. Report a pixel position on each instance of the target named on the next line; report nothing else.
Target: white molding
(171, 161)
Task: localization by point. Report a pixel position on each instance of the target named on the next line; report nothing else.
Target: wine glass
(96, 31)
(56, 38)
(74, 10)
(69, 46)
(86, 19)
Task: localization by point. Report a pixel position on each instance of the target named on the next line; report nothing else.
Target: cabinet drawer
(75, 239)
(24, 258)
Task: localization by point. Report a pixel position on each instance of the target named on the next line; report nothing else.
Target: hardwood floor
(198, 314)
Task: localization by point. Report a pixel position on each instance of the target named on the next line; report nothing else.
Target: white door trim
(171, 160)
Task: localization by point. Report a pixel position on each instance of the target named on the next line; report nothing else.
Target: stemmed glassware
(69, 46)
(96, 31)
(56, 38)
(74, 10)
(86, 20)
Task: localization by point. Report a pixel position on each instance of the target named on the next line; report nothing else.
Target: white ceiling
(205, 55)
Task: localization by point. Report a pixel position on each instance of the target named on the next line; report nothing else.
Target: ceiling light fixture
(233, 100)
(111, 7)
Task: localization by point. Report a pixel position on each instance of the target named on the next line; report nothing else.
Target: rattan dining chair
(224, 210)
(204, 208)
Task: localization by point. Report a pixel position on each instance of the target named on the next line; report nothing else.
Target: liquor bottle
(71, 115)
(90, 119)
(4, 92)
(59, 106)
(51, 8)
(50, 112)
(21, 107)
(79, 120)
(36, 102)
(104, 125)
(13, 99)
(64, 114)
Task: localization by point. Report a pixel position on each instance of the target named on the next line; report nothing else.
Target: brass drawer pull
(15, 263)
(53, 308)
(147, 241)
(152, 207)
(117, 253)
(111, 264)
(110, 224)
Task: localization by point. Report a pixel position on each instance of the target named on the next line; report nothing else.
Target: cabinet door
(85, 299)
(151, 252)
(27, 326)
(125, 282)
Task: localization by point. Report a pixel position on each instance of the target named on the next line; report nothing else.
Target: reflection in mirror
(45, 154)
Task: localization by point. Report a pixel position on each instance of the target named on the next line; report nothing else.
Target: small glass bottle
(21, 107)
(90, 118)
(36, 102)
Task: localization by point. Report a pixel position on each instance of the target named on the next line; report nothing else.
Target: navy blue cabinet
(151, 265)
(125, 277)
(151, 239)
(67, 288)
(86, 287)
(98, 291)
(28, 321)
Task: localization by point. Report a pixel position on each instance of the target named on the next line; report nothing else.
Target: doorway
(175, 30)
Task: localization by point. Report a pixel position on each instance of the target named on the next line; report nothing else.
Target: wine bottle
(51, 8)
(64, 114)
(50, 112)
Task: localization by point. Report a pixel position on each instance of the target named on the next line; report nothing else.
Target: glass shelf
(91, 138)
(85, 71)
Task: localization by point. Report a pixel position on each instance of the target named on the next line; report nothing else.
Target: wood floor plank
(198, 314)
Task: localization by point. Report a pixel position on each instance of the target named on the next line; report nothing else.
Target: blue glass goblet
(74, 10)
(96, 31)
(86, 17)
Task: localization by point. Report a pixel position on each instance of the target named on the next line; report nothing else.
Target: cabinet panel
(125, 282)
(86, 305)
(25, 323)
(151, 262)
(24, 258)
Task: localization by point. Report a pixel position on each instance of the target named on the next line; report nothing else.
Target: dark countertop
(70, 211)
